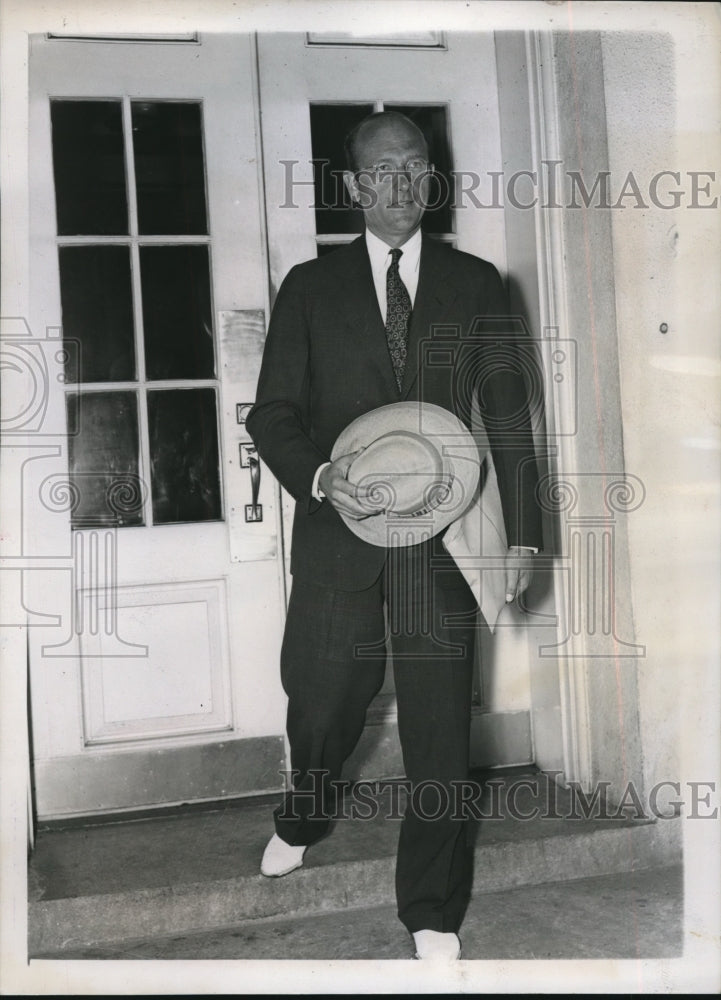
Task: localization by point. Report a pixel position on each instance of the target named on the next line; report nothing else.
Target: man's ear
(360, 188)
(351, 184)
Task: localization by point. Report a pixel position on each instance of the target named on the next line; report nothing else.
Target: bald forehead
(375, 138)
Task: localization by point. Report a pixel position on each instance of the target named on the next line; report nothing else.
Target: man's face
(391, 184)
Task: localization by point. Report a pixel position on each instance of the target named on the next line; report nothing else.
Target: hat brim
(461, 462)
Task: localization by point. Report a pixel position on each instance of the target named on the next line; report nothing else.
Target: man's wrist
(316, 492)
(523, 548)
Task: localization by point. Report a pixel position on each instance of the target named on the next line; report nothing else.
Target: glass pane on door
(329, 125)
(97, 306)
(177, 315)
(89, 168)
(184, 455)
(104, 459)
(169, 167)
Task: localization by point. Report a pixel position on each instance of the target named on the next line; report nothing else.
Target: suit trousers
(333, 664)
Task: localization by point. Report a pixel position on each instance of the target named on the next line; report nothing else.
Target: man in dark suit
(347, 336)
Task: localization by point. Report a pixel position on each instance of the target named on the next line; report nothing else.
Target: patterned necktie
(398, 313)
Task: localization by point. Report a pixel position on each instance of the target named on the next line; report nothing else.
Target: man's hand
(519, 572)
(345, 496)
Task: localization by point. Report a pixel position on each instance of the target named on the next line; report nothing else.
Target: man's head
(388, 174)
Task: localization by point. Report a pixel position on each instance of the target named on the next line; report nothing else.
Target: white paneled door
(155, 593)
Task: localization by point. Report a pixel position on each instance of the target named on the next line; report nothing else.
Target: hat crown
(403, 473)
(422, 466)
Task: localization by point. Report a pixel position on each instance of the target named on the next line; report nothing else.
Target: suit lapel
(358, 303)
(436, 290)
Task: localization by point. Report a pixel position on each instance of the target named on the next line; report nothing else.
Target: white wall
(669, 394)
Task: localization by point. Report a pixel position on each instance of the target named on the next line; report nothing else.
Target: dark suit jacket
(326, 362)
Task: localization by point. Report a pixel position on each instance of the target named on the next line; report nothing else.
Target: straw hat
(419, 466)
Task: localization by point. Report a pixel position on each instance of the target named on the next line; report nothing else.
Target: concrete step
(626, 916)
(197, 871)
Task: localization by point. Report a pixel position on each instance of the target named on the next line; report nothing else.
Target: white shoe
(435, 945)
(280, 858)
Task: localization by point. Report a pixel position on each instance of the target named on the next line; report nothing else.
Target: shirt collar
(378, 251)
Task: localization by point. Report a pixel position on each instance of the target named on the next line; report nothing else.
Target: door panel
(169, 599)
(133, 697)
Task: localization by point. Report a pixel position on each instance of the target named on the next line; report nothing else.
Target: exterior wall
(669, 396)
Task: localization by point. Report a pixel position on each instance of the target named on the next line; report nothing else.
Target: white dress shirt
(380, 257)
